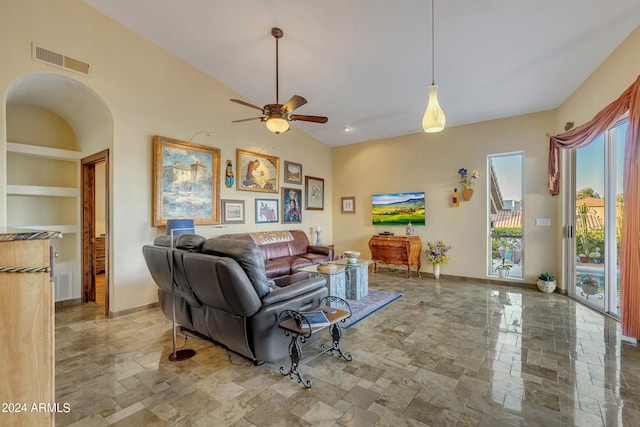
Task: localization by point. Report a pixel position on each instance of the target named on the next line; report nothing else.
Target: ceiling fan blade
(315, 119)
(246, 120)
(296, 101)
(246, 104)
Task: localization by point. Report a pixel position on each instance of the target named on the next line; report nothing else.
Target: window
(506, 254)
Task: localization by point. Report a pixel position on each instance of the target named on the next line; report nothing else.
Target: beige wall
(429, 163)
(147, 91)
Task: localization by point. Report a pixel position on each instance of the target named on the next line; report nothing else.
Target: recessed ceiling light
(348, 128)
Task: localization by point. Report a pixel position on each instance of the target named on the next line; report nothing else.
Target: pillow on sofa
(245, 253)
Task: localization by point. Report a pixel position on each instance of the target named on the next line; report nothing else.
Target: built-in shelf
(46, 152)
(41, 190)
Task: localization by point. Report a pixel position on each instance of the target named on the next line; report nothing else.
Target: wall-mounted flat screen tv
(398, 209)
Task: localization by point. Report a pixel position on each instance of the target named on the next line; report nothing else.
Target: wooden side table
(296, 325)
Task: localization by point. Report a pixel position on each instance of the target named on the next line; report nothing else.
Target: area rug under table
(368, 305)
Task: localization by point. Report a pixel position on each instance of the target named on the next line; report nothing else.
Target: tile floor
(451, 352)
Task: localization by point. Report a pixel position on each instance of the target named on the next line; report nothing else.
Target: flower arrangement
(467, 179)
(589, 281)
(437, 252)
(589, 285)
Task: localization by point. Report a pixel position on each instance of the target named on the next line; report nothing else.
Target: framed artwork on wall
(314, 190)
(232, 211)
(292, 173)
(257, 172)
(186, 181)
(291, 212)
(348, 204)
(267, 211)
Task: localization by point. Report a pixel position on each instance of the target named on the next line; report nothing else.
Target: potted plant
(589, 285)
(546, 282)
(595, 255)
(437, 252)
(503, 269)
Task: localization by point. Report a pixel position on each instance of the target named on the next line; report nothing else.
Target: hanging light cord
(277, 89)
(433, 43)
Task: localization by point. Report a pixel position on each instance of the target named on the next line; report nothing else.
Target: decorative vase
(467, 194)
(436, 271)
(547, 287)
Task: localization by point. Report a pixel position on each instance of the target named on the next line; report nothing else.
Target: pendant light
(433, 119)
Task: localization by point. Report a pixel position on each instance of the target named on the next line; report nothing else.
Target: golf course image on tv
(398, 209)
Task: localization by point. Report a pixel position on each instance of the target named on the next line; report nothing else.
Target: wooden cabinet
(26, 328)
(400, 250)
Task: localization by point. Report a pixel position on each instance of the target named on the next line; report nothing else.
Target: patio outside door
(597, 223)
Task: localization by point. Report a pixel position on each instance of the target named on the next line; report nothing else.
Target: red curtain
(630, 245)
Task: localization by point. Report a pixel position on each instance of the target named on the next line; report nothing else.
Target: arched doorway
(53, 122)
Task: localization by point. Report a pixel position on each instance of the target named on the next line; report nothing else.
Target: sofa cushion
(315, 258)
(298, 262)
(245, 253)
(277, 267)
(300, 243)
(277, 250)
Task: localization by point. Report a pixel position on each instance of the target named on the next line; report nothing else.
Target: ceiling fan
(277, 116)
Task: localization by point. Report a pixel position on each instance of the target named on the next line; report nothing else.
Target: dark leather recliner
(222, 292)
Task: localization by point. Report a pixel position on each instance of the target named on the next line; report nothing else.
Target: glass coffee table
(334, 274)
(357, 277)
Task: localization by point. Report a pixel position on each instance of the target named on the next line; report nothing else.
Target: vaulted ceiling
(366, 64)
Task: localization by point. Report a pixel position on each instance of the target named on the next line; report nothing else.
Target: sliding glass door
(598, 202)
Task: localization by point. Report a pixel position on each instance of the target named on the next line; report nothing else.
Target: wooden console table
(400, 250)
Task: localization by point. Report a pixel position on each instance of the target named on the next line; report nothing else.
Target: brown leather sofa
(222, 293)
(284, 252)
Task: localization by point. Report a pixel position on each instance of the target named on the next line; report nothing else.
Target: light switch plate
(543, 222)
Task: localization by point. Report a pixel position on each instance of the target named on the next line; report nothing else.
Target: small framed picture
(292, 172)
(349, 204)
(232, 211)
(291, 211)
(314, 189)
(267, 211)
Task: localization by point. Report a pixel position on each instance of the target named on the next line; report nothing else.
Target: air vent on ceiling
(59, 60)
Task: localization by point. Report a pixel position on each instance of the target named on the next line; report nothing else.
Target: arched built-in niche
(53, 122)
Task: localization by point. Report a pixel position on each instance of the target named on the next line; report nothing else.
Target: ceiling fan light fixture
(277, 124)
(277, 116)
(433, 119)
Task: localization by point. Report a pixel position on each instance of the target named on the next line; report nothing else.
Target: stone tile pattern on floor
(450, 352)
